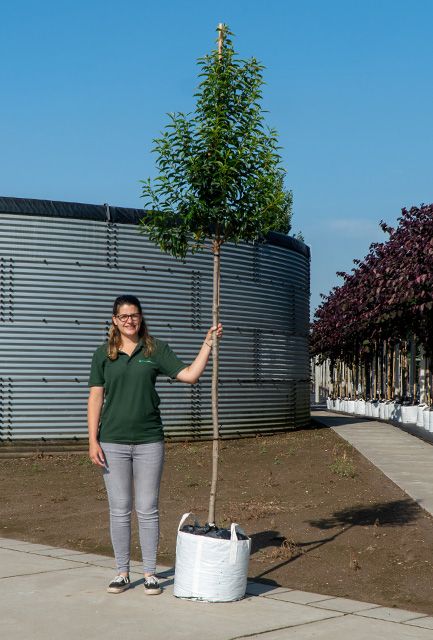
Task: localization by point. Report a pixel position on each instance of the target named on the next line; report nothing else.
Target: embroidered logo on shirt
(149, 361)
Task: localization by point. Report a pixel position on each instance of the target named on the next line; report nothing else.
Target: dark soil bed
(320, 516)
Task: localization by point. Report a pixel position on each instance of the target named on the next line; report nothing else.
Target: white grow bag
(390, 410)
(350, 406)
(420, 414)
(211, 569)
(382, 410)
(409, 414)
(368, 408)
(375, 409)
(360, 408)
(395, 412)
(430, 423)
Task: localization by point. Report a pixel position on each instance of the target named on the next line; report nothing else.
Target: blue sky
(86, 86)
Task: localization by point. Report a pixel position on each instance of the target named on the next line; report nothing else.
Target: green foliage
(219, 169)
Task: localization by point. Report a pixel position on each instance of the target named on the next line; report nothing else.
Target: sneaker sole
(117, 589)
(152, 592)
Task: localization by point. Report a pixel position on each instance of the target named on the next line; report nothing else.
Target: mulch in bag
(211, 563)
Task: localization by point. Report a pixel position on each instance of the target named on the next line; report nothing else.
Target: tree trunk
(396, 370)
(390, 368)
(422, 376)
(337, 378)
(412, 368)
(368, 377)
(216, 250)
(381, 369)
(334, 381)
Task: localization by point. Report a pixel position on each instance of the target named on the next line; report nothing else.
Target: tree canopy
(388, 295)
(219, 168)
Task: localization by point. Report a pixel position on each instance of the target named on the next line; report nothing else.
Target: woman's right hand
(96, 454)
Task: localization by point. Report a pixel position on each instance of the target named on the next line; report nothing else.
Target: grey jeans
(135, 468)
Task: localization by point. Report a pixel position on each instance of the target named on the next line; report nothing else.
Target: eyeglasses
(135, 317)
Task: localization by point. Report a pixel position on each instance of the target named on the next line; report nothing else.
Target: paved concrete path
(405, 459)
(58, 594)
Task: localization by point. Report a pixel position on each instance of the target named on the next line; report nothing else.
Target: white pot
(420, 415)
(360, 407)
(430, 424)
(351, 406)
(395, 412)
(368, 408)
(337, 404)
(382, 410)
(211, 569)
(426, 416)
(409, 414)
(375, 409)
(390, 406)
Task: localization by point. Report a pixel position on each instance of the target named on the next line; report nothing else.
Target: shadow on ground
(396, 513)
(383, 514)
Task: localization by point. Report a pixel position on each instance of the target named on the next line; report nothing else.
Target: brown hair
(114, 335)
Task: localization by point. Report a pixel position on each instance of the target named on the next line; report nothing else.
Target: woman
(125, 429)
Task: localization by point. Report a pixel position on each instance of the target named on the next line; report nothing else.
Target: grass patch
(343, 466)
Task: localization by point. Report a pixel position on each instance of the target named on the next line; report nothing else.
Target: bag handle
(234, 530)
(185, 517)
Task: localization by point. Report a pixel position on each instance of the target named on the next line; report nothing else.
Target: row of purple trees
(375, 330)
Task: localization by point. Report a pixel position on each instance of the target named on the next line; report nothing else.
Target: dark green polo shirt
(130, 414)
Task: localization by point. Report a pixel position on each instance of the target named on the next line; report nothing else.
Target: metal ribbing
(58, 278)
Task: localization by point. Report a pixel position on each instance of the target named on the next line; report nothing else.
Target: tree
(220, 178)
(386, 301)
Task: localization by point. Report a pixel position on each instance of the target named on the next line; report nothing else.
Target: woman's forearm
(94, 408)
(192, 373)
